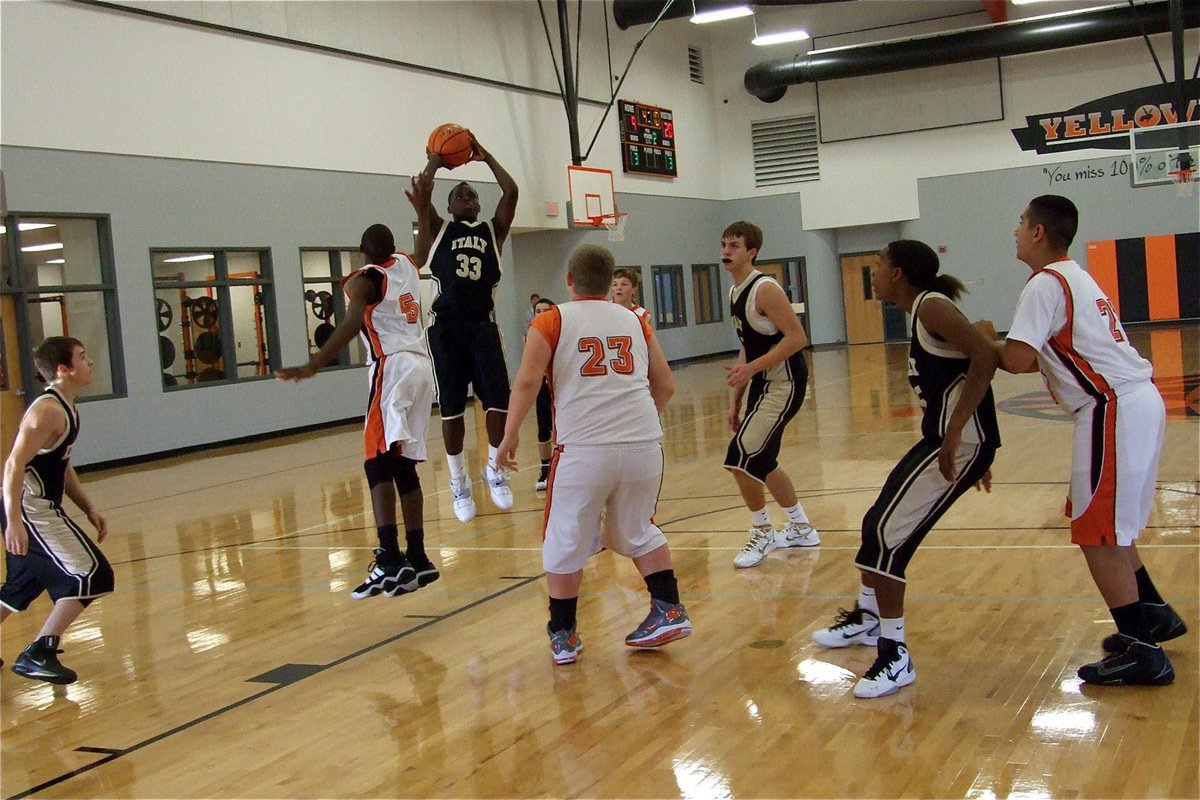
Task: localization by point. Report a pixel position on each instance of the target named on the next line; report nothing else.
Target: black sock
(1131, 621)
(663, 587)
(415, 542)
(562, 613)
(1146, 591)
(389, 540)
(545, 467)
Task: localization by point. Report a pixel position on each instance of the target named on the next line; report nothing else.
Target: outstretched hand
(296, 373)
(422, 189)
(478, 153)
(506, 453)
(985, 482)
(739, 375)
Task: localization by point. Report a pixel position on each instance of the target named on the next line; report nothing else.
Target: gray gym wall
(974, 216)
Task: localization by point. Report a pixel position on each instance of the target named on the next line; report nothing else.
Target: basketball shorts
(770, 405)
(545, 413)
(622, 482)
(61, 560)
(468, 353)
(913, 498)
(1114, 466)
(399, 405)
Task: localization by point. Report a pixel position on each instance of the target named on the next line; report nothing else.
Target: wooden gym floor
(232, 662)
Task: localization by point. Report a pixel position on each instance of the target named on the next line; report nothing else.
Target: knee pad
(405, 475)
(378, 469)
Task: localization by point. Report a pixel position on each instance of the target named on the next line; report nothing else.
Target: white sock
(796, 514)
(457, 464)
(760, 518)
(867, 601)
(892, 629)
(492, 451)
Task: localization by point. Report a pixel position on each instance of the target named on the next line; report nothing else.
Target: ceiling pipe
(627, 13)
(769, 80)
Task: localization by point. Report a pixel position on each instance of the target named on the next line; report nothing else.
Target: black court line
(422, 616)
(106, 750)
(315, 669)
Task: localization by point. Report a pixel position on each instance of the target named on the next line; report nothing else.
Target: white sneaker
(797, 535)
(851, 627)
(760, 543)
(464, 504)
(892, 670)
(497, 482)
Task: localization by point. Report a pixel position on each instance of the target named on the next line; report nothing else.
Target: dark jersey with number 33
(465, 262)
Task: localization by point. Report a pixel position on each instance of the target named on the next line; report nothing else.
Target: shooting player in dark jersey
(464, 256)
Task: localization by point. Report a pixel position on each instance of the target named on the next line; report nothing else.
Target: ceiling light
(38, 248)
(717, 15)
(199, 257)
(764, 39)
(57, 261)
(29, 226)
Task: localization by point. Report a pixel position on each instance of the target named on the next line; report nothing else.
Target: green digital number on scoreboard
(647, 139)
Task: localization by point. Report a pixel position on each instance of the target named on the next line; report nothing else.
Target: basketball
(451, 142)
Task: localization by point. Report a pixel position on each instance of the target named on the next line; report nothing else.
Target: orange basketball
(451, 142)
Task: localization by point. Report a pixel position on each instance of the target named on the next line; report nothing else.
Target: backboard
(592, 196)
(1164, 154)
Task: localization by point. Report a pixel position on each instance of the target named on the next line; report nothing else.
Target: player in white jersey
(1065, 326)
(625, 285)
(609, 379)
(384, 306)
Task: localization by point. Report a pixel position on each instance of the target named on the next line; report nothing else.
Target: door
(864, 316)
(12, 394)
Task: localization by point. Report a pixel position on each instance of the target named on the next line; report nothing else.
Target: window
(325, 302)
(63, 284)
(669, 308)
(216, 315)
(706, 293)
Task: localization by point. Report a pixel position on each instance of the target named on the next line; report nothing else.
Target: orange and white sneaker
(665, 623)
(565, 646)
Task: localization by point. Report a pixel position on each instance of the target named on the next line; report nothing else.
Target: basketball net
(615, 223)
(1183, 181)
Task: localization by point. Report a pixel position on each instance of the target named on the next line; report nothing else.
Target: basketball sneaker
(385, 576)
(464, 504)
(565, 646)
(665, 623)
(892, 670)
(39, 661)
(543, 480)
(797, 535)
(497, 481)
(851, 627)
(1165, 625)
(1138, 664)
(756, 548)
(427, 573)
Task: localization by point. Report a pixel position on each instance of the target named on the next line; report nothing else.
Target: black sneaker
(385, 576)
(40, 662)
(427, 573)
(543, 480)
(1138, 664)
(1164, 623)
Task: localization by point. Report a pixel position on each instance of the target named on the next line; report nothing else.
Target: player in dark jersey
(464, 256)
(46, 550)
(772, 365)
(950, 368)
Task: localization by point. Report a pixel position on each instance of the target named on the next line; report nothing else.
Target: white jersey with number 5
(1083, 351)
(393, 325)
(599, 373)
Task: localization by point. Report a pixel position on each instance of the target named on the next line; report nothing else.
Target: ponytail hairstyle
(919, 264)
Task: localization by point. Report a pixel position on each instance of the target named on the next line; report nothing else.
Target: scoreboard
(647, 139)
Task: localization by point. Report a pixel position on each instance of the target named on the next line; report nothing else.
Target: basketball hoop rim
(608, 220)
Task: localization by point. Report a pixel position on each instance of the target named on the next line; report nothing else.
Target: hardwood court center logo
(1105, 123)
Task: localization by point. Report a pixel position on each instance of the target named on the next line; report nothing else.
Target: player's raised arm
(429, 222)
(506, 209)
